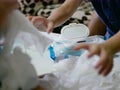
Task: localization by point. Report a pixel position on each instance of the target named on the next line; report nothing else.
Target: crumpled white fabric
(16, 69)
(79, 74)
(17, 26)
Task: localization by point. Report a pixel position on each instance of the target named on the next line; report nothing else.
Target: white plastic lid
(75, 32)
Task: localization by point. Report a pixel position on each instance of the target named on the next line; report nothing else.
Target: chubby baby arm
(6, 7)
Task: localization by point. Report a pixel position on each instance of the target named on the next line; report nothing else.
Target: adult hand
(42, 23)
(105, 63)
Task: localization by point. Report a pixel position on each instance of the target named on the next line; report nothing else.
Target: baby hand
(41, 23)
(105, 63)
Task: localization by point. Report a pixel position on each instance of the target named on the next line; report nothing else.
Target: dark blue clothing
(109, 11)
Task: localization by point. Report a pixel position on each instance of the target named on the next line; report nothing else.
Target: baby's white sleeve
(16, 69)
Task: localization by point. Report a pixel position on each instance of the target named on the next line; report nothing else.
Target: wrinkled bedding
(16, 69)
(79, 74)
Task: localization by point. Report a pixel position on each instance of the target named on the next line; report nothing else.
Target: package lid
(75, 32)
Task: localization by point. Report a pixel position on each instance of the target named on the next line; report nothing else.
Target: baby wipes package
(71, 35)
(75, 32)
(62, 50)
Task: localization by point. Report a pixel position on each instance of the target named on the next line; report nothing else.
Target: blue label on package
(61, 50)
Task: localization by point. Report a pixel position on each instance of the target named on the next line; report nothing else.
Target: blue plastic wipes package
(62, 50)
(71, 35)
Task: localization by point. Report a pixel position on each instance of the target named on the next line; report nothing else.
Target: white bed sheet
(73, 74)
(81, 77)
